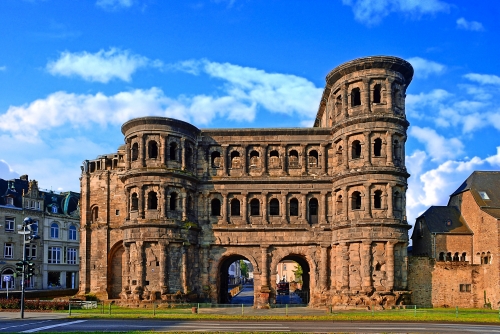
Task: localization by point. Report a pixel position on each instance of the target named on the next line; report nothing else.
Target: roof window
(483, 195)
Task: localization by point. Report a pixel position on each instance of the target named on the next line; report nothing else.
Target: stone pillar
(368, 204)
(264, 207)
(244, 162)
(184, 270)
(389, 149)
(126, 266)
(225, 159)
(283, 211)
(142, 158)
(345, 202)
(322, 208)
(333, 267)
(162, 200)
(345, 266)
(127, 200)
(323, 278)
(388, 94)
(283, 160)
(265, 161)
(324, 158)
(183, 153)
(345, 153)
(389, 257)
(163, 266)
(140, 262)
(404, 267)
(184, 205)
(224, 208)
(367, 150)
(167, 204)
(303, 152)
(366, 259)
(345, 100)
(244, 206)
(129, 155)
(403, 151)
(265, 269)
(390, 207)
(141, 203)
(162, 151)
(366, 94)
(303, 208)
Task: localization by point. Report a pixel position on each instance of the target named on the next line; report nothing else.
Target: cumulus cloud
(114, 4)
(469, 25)
(437, 146)
(6, 172)
(3, 68)
(423, 67)
(101, 66)
(371, 12)
(483, 79)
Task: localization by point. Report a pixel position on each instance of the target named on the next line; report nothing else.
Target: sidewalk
(4, 315)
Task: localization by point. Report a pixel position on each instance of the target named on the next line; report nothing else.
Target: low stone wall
(40, 294)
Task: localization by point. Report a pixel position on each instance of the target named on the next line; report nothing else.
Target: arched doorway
(115, 274)
(235, 270)
(293, 280)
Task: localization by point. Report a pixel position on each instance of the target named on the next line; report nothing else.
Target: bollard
(371, 307)
(109, 308)
(415, 310)
(69, 306)
(102, 308)
(286, 310)
(456, 311)
(242, 312)
(154, 308)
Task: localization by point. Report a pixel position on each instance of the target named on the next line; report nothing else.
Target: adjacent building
(456, 248)
(57, 222)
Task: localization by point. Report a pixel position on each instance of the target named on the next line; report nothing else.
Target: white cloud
(3, 68)
(114, 4)
(372, 12)
(6, 172)
(423, 67)
(101, 66)
(483, 79)
(469, 25)
(438, 147)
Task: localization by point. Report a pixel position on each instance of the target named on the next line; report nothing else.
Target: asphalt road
(71, 325)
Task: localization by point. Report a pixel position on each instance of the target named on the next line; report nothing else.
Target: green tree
(298, 273)
(244, 268)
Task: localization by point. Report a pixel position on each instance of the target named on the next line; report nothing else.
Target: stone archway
(224, 281)
(304, 290)
(115, 272)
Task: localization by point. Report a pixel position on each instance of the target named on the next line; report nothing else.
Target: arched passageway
(233, 271)
(293, 280)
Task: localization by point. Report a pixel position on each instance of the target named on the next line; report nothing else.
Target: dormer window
(10, 201)
(484, 195)
(54, 209)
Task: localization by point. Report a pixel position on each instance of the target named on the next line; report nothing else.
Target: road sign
(6, 278)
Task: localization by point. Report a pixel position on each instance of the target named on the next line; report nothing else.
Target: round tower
(364, 104)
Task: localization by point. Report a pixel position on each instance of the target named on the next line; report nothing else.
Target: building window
(10, 201)
(449, 257)
(95, 213)
(173, 152)
(339, 205)
(254, 159)
(152, 201)
(376, 93)
(356, 149)
(71, 256)
(152, 150)
(215, 206)
(235, 207)
(377, 199)
(465, 287)
(398, 205)
(294, 207)
(189, 204)
(463, 257)
(355, 97)
(484, 195)
(54, 208)
(173, 201)
(377, 147)
(188, 157)
(54, 255)
(274, 207)
(72, 232)
(54, 231)
(30, 250)
(235, 159)
(254, 207)
(338, 104)
(293, 158)
(9, 224)
(441, 256)
(134, 202)
(34, 227)
(356, 200)
(274, 159)
(135, 152)
(216, 160)
(313, 211)
(8, 251)
(313, 158)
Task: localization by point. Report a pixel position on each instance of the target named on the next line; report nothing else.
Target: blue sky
(71, 72)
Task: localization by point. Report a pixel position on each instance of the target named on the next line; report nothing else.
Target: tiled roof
(445, 219)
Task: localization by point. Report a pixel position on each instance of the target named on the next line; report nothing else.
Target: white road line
(31, 323)
(52, 326)
(394, 328)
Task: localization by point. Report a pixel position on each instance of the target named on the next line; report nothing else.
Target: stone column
(126, 267)
(368, 204)
(141, 203)
(388, 94)
(224, 208)
(127, 194)
(366, 259)
(333, 267)
(162, 200)
(167, 205)
(389, 254)
(265, 161)
(283, 160)
(183, 153)
(389, 150)
(264, 207)
(244, 206)
(184, 270)
(264, 268)
(324, 158)
(303, 208)
(403, 151)
(390, 207)
(129, 154)
(140, 262)
(323, 278)
(225, 159)
(345, 153)
(303, 150)
(322, 208)
(367, 150)
(345, 101)
(162, 151)
(142, 158)
(244, 162)
(345, 266)
(184, 205)
(366, 95)
(283, 211)
(345, 202)
(163, 266)
(404, 267)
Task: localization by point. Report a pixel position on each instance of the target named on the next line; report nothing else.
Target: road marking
(52, 326)
(31, 323)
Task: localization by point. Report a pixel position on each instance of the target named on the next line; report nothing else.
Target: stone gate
(164, 216)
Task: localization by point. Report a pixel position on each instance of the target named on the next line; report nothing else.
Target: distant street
(245, 296)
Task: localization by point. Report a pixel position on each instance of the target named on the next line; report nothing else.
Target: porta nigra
(167, 213)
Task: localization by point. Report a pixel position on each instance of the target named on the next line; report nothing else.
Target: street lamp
(27, 232)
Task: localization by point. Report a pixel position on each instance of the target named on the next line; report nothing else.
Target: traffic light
(19, 267)
(31, 269)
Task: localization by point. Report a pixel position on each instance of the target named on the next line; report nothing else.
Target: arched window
(134, 202)
(441, 256)
(313, 158)
(173, 201)
(215, 206)
(398, 205)
(152, 150)
(338, 104)
(274, 207)
(294, 207)
(72, 232)
(54, 231)
(235, 159)
(448, 257)
(339, 205)
(293, 158)
(355, 97)
(254, 207)
(95, 213)
(339, 156)
(397, 98)
(235, 207)
(189, 203)
(456, 257)
(376, 93)
(152, 201)
(135, 151)
(173, 151)
(356, 149)
(377, 147)
(487, 259)
(377, 199)
(188, 156)
(274, 159)
(254, 159)
(396, 148)
(313, 211)
(356, 200)
(463, 257)
(216, 160)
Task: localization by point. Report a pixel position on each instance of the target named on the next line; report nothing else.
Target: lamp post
(26, 231)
